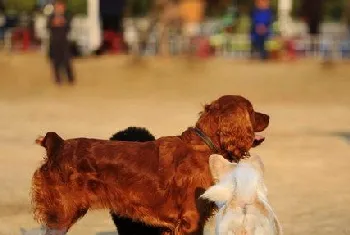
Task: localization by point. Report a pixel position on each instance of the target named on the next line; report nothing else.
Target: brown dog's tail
(53, 144)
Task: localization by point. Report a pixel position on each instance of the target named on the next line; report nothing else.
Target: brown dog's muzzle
(258, 139)
(261, 122)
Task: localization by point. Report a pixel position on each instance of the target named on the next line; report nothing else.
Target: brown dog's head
(232, 123)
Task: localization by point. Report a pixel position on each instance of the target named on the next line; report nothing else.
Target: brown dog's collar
(206, 140)
(212, 146)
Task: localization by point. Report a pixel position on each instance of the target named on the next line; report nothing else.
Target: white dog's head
(240, 180)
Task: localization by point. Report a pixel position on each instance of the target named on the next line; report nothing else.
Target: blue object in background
(260, 17)
(345, 49)
(42, 3)
(325, 48)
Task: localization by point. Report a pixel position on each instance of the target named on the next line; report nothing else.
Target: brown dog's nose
(261, 121)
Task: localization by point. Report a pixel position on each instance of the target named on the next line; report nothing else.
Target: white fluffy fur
(241, 197)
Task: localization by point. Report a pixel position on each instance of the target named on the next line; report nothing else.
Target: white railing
(331, 42)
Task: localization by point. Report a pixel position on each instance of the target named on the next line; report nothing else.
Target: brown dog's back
(128, 177)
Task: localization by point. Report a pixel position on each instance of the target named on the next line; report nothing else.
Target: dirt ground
(306, 151)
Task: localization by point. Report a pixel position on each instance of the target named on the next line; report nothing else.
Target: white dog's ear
(257, 162)
(219, 166)
(219, 193)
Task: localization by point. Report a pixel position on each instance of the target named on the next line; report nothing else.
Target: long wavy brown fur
(156, 182)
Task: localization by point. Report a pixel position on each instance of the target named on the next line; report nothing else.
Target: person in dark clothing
(59, 24)
(261, 18)
(2, 6)
(33, 37)
(312, 13)
(2, 20)
(347, 15)
(111, 12)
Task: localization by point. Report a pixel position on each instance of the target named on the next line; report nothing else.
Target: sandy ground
(306, 152)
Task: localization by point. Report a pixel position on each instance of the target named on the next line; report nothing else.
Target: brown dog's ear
(213, 106)
(261, 121)
(219, 166)
(208, 108)
(235, 131)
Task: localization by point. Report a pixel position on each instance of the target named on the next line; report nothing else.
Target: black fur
(137, 134)
(126, 226)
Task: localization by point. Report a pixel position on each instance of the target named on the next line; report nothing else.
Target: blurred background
(105, 26)
(155, 64)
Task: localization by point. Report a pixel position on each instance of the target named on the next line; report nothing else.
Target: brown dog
(157, 182)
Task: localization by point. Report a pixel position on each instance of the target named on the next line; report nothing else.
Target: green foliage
(216, 8)
(138, 7)
(19, 5)
(296, 8)
(333, 9)
(77, 6)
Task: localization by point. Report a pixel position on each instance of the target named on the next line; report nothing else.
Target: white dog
(35, 231)
(241, 197)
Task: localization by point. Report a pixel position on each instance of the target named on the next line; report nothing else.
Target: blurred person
(312, 13)
(169, 19)
(347, 15)
(23, 30)
(36, 10)
(112, 14)
(2, 20)
(192, 15)
(261, 21)
(59, 25)
(112, 20)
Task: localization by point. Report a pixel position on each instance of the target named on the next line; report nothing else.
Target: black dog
(126, 226)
